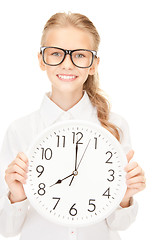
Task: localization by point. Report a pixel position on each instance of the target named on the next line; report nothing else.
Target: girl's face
(68, 38)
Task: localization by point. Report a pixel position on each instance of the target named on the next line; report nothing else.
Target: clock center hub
(75, 172)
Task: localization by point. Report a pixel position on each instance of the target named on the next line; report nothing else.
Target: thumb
(130, 155)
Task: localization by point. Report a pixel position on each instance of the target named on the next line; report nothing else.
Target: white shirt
(20, 217)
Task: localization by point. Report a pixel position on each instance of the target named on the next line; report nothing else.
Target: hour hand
(61, 180)
(76, 152)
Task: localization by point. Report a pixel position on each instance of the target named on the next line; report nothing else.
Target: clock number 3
(111, 175)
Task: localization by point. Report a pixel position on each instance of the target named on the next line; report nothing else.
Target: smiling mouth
(66, 77)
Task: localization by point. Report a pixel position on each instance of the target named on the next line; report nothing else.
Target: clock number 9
(40, 169)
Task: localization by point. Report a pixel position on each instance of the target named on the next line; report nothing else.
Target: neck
(67, 100)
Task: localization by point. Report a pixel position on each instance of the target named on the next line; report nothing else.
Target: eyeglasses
(81, 58)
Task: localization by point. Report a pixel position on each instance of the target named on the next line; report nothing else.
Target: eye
(56, 54)
(79, 55)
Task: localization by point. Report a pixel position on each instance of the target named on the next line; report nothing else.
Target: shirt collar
(51, 113)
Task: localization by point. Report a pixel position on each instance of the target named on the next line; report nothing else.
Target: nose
(67, 63)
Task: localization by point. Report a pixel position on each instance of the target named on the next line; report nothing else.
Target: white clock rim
(124, 161)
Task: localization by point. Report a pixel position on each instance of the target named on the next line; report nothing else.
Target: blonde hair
(91, 85)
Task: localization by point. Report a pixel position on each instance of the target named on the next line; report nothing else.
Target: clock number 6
(73, 211)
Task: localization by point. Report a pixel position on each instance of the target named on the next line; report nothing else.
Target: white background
(128, 74)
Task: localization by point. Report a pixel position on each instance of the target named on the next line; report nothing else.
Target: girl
(75, 94)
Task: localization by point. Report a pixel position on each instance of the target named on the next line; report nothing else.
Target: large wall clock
(76, 173)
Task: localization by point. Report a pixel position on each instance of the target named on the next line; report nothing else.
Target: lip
(66, 77)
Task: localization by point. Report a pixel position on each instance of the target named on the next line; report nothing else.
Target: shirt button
(73, 234)
(65, 116)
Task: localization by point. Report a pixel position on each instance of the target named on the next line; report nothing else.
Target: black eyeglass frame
(66, 51)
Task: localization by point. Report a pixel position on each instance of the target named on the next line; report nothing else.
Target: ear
(94, 67)
(41, 63)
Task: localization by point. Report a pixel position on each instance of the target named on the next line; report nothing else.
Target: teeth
(66, 77)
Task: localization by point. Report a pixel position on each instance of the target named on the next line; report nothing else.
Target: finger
(21, 164)
(138, 186)
(130, 155)
(16, 169)
(136, 171)
(15, 177)
(23, 157)
(139, 179)
(130, 166)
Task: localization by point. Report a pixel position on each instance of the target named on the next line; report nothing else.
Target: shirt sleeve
(12, 216)
(122, 218)
(124, 132)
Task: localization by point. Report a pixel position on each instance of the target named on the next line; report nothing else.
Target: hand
(79, 163)
(61, 180)
(135, 179)
(76, 151)
(83, 154)
(15, 177)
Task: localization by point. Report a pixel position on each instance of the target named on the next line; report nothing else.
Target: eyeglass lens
(81, 58)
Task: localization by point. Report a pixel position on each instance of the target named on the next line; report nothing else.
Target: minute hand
(83, 154)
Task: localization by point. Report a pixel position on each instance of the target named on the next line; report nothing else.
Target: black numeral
(78, 136)
(41, 190)
(107, 193)
(40, 169)
(110, 156)
(60, 141)
(96, 140)
(111, 175)
(92, 205)
(46, 153)
(58, 199)
(73, 211)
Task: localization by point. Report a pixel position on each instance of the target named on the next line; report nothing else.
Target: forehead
(68, 38)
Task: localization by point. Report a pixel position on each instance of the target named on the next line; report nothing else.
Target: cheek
(84, 74)
(51, 71)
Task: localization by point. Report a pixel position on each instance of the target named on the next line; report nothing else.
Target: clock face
(76, 173)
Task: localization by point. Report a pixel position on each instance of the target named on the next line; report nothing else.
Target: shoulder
(24, 122)
(23, 130)
(118, 120)
(124, 131)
